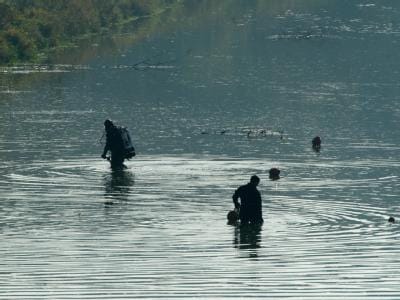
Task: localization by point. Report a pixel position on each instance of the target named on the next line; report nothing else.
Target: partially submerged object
(274, 173)
(316, 143)
(233, 217)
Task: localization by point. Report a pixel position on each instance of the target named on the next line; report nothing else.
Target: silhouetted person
(274, 173)
(114, 144)
(316, 143)
(250, 208)
(391, 220)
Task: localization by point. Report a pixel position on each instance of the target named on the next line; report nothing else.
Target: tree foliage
(30, 26)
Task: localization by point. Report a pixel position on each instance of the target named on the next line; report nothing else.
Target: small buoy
(274, 173)
(391, 220)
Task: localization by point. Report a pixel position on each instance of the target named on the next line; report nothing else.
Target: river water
(221, 91)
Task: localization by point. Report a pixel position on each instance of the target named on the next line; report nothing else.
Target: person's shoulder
(117, 129)
(242, 187)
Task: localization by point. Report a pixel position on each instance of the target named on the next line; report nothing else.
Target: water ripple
(74, 230)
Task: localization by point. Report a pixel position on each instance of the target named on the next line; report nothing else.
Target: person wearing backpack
(118, 142)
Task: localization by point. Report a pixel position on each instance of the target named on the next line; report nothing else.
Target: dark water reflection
(248, 238)
(117, 185)
(228, 89)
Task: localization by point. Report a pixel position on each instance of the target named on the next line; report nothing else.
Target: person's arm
(235, 198)
(106, 148)
(259, 201)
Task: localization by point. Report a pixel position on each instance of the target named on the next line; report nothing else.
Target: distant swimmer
(391, 220)
(250, 206)
(118, 142)
(316, 143)
(274, 174)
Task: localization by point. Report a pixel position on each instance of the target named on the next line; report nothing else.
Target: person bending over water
(250, 206)
(119, 143)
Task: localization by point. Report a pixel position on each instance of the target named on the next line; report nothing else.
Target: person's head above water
(254, 180)
(274, 173)
(108, 124)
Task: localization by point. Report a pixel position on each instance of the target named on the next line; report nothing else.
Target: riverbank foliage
(30, 27)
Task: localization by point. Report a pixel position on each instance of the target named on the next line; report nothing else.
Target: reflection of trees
(28, 26)
(118, 184)
(176, 14)
(48, 24)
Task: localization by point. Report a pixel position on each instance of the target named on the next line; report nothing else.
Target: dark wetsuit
(316, 143)
(250, 204)
(115, 144)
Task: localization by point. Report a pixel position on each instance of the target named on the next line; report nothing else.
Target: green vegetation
(31, 27)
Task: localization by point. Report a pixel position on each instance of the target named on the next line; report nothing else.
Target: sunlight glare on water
(76, 229)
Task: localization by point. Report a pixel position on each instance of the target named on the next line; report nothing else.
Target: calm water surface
(196, 96)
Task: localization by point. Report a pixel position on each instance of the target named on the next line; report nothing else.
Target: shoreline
(18, 47)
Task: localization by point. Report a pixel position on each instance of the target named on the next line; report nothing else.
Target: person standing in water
(316, 143)
(250, 206)
(114, 144)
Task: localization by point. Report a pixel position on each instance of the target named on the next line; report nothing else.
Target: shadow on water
(248, 237)
(117, 185)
